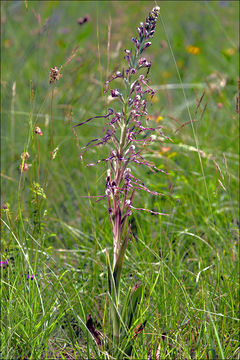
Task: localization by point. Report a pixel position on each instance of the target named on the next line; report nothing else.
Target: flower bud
(139, 31)
(147, 44)
(115, 93)
(130, 101)
(151, 33)
(142, 61)
(110, 111)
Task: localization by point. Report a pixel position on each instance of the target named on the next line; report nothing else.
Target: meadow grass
(188, 262)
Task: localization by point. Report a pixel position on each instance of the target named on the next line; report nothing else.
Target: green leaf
(129, 316)
(134, 300)
(119, 263)
(114, 300)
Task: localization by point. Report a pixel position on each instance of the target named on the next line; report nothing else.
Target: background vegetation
(187, 261)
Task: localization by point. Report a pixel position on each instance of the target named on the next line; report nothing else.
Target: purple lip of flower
(4, 264)
(115, 93)
(30, 276)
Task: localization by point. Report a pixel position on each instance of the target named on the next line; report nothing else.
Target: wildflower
(25, 155)
(54, 75)
(127, 131)
(24, 167)
(115, 93)
(195, 50)
(120, 184)
(159, 118)
(38, 131)
(4, 264)
(30, 276)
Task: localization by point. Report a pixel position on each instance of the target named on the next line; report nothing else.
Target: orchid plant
(127, 132)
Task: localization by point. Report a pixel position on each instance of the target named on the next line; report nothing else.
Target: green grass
(188, 261)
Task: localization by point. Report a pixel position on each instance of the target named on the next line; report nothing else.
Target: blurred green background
(194, 52)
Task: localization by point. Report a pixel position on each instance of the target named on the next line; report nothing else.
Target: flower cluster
(24, 166)
(129, 132)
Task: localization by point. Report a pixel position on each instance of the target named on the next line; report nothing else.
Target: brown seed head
(54, 75)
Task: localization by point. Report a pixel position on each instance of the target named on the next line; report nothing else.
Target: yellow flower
(155, 117)
(159, 118)
(195, 50)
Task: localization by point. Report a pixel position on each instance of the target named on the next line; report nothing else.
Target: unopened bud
(156, 9)
(147, 45)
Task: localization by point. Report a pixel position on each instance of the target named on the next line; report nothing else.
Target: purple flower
(126, 131)
(4, 264)
(30, 276)
(115, 93)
